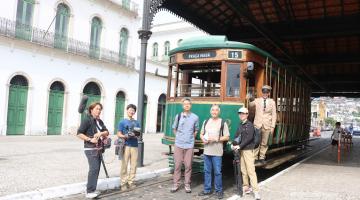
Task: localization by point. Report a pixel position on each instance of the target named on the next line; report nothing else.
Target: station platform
(319, 177)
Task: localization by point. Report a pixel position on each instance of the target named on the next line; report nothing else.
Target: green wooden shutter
(61, 26)
(126, 4)
(96, 27)
(123, 45)
(24, 16)
(55, 111)
(17, 104)
(155, 50)
(119, 111)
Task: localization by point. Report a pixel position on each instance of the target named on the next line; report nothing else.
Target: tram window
(199, 80)
(233, 80)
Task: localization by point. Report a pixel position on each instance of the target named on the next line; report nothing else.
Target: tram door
(254, 83)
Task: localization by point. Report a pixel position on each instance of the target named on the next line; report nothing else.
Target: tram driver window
(202, 80)
(233, 80)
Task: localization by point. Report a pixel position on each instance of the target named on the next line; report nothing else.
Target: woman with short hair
(91, 130)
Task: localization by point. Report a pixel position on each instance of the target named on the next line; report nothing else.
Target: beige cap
(266, 87)
(243, 110)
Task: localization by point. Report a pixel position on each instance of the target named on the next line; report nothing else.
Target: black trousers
(94, 160)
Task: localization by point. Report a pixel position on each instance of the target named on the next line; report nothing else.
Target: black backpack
(178, 119)
(257, 136)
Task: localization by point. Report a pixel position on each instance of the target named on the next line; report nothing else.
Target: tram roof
(319, 39)
(216, 42)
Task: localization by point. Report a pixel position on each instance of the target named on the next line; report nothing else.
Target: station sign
(235, 54)
(199, 55)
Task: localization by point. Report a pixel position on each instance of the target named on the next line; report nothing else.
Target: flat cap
(266, 87)
(243, 110)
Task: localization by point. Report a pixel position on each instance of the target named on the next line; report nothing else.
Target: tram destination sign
(199, 55)
(235, 54)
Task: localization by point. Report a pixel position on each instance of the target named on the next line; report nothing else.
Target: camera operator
(126, 132)
(91, 130)
(245, 135)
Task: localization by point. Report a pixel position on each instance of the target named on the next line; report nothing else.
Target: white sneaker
(257, 196)
(248, 190)
(91, 195)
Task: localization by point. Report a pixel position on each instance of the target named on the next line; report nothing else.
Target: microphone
(82, 104)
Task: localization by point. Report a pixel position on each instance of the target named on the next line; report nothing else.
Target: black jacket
(89, 128)
(246, 130)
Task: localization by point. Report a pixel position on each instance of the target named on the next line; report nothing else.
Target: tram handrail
(197, 90)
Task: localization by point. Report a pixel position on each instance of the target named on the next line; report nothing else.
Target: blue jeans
(212, 163)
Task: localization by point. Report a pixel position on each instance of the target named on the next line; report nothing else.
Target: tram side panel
(228, 112)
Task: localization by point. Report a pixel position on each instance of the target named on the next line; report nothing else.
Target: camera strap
(221, 132)
(97, 123)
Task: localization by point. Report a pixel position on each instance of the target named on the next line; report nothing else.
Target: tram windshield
(199, 80)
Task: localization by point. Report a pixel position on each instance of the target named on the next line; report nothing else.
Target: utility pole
(144, 35)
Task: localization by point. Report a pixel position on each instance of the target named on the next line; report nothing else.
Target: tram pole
(144, 35)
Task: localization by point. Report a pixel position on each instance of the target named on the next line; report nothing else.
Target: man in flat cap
(265, 120)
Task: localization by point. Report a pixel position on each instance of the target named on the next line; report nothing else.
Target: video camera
(134, 132)
(106, 142)
(237, 140)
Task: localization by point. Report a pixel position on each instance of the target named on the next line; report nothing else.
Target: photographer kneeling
(91, 130)
(245, 136)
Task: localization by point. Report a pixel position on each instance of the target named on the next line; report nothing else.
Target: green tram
(211, 69)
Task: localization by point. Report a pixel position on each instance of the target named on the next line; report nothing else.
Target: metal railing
(196, 90)
(38, 36)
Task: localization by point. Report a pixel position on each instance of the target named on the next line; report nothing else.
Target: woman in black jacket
(92, 130)
(246, 132)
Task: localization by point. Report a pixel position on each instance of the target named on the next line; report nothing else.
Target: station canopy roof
(317, 39)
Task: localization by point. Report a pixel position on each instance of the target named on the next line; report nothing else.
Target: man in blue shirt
(185, 127)
(125, 129)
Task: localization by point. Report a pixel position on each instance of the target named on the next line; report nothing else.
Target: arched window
(96, 27)
(24, 15)
(119, 109)
(179, 41)
(92, 90)
(160, 122)
(61, 26)
(145, 113)
(124, 37)
(166, 48)
(58, 86)
(19, 80)
(155, 49)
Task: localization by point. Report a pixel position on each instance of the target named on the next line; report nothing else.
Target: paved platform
(29, 163)
(318, 178)
(159, 187)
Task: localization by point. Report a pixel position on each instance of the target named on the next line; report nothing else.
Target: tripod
(102, 150)
(237, 172)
